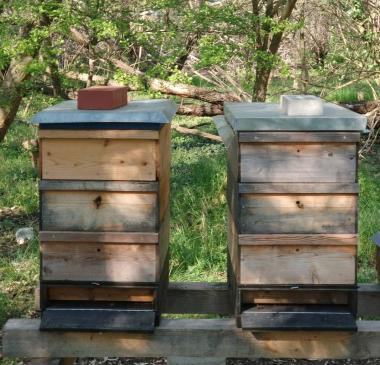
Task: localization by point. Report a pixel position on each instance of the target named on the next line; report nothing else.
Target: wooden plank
(295, 297)
(297, 214)
(369, 300)
(200, 298)
(272, 265)
(104, 262)
(191, 337)
(97, 134)
(98, 293)
(98, 159)
(378, 263)
(322, 163)
(163, 169)
(109, 237)
(376, 241)
(302, 137)
(212, 298)
(183, 360)
(97, 319)
(98, 211)
(296, 318)
(69, 185)
(230, 140)
(163, 246)
(299, 239)
(298, 188)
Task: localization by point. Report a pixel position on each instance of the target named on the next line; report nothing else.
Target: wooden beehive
(292, 197)
(104, 225)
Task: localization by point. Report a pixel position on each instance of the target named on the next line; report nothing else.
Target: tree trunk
(55, 80)
(260, 85)
(91, 63)
(7, 114)
(11, 96)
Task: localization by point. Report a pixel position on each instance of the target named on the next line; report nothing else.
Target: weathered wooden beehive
(292, 197)
(104, 223)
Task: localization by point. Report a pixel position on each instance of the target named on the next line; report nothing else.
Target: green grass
(369, 214)
(198, 212)
(198, 206)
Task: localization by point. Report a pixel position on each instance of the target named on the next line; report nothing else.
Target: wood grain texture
(266, 214)
(294, 297)
(301, 137)
(191, 337)
(213, 298)
(163, 169)
(97, 319)
(320, 163)
(163, 245)
(273, 265)
(377, 258)
(104, 262)
(299, 188)
(98, 185)
(99, 159)
(109, 237)
(98, 211)
(200, 298)
(97, 134)
(299, 239)
(82, 293)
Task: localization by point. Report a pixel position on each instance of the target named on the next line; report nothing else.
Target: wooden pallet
(201, 341)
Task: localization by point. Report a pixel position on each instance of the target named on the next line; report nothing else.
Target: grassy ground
(198, 208)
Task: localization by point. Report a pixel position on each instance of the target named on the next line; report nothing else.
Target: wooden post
(376, 240)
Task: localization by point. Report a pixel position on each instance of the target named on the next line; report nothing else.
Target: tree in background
(203, 52)
(24, 27)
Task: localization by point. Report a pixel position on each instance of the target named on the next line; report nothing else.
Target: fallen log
(202, 110)
(363, 108)
(196, 132)
(199, 110)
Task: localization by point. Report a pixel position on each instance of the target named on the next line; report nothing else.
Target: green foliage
(134, 81)
(214, 52)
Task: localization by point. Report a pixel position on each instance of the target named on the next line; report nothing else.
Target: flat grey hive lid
(271, 117)
(140, 111)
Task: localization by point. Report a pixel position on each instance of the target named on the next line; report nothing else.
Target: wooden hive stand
(200, 341)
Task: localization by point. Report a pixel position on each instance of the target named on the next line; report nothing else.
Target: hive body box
(292, 197)
(104, 227)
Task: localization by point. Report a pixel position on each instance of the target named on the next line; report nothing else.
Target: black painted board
(298, 318)
(104, 126)
(63, 318)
